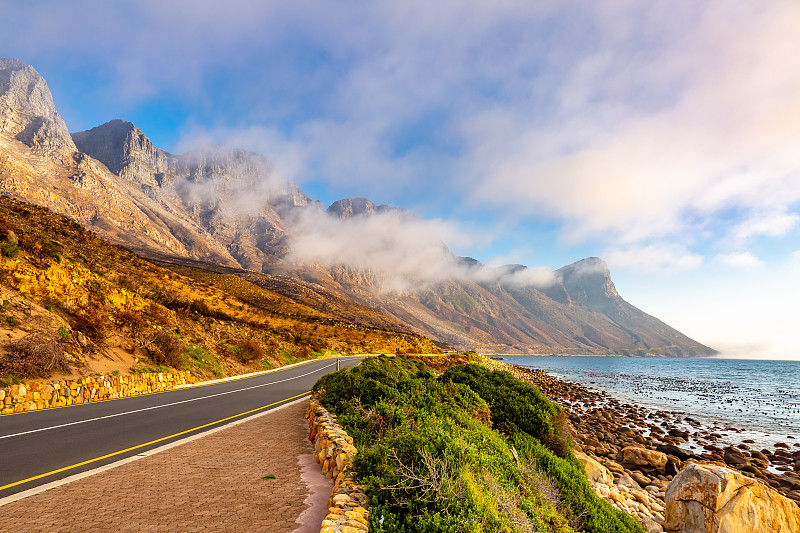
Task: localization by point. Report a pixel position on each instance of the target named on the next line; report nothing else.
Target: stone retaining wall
(334, 451)
(46, 394)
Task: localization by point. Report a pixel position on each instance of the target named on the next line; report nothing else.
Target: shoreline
(603, 425)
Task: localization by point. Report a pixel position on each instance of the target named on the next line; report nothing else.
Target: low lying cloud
(402, 251)
(233, 181)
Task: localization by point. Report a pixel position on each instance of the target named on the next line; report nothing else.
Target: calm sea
(760, 398)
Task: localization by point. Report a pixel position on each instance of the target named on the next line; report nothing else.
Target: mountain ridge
(230, 207)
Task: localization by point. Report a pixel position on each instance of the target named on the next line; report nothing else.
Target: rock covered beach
(632, 454)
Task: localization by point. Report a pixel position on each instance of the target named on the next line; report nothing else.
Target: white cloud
(740, 260)
(660, 138)
(401, 251)
(774, 224)
(288, 157)
(654, 257)
(398, 250)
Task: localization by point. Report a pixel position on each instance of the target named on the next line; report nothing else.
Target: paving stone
(210, 484)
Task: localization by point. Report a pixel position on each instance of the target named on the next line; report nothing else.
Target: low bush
(516, 406)
(248, 350)
(537, 428)
(34, 356)
(93, 322)
(163, 349)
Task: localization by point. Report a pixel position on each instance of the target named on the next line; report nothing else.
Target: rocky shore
(632, 454)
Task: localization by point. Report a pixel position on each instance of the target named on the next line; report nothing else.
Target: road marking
(81, 475)
(76, 465)
(157, 406)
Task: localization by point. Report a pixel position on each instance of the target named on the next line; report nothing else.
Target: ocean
(739, 398)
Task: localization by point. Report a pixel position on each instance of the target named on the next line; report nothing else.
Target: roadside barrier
(37, 395)
(334, 451)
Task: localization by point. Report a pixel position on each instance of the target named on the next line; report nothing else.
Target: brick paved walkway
(209, 484)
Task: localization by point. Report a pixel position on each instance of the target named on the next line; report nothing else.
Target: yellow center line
(76, 465)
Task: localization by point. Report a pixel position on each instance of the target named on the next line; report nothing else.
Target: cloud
(396, 251)
(775, 224)
(654, 257)
(401, 251)
(232, 182)
(740, 260)
(653, 136)
(289, 158)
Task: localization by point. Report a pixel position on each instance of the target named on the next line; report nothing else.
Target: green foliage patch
(468, 451)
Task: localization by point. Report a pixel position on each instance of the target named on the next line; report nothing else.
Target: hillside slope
(72, 302)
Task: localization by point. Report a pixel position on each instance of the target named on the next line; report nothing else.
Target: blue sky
(661, 136)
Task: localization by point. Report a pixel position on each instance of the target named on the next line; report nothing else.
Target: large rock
(596, 472)
(707, 498)
(635, 457)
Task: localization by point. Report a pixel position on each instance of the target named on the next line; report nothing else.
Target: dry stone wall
(334, 451)
(59, 393)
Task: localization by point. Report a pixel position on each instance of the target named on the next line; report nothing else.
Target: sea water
(740, 398)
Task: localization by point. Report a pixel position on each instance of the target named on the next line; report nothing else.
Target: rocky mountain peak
(127, 152)
(588, 283)
(27, 112)
(351, 207)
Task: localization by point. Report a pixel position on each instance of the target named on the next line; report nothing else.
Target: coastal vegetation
(467, 450)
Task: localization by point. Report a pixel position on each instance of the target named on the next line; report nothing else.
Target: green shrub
(431, 461)
(516, 406)
(9, 249)
(428, 457)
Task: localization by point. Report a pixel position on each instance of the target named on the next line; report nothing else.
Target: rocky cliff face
(127, 152)
(230, 207)
(348, 208)
(233, 195)
(27, 112)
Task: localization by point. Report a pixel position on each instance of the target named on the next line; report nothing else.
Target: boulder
(635, 457)
(708, 498)
(596, 472)
(673, 466)
(625, 480)
(677, 451)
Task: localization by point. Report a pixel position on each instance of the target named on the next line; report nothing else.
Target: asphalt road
(53, 444)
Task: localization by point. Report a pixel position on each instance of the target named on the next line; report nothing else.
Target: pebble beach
(630, 441)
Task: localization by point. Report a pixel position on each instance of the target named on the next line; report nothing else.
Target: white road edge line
(159, 406)
(75, 477)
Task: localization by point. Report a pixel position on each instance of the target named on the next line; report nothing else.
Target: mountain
(228, 207)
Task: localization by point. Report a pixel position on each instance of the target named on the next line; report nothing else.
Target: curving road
(43, 446)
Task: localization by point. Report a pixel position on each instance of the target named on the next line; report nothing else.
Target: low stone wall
(334, 451)
(46, 394)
